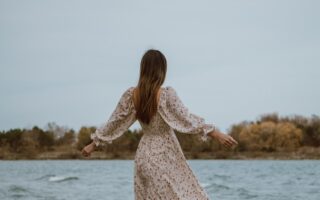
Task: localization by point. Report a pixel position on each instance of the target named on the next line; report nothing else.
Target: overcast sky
(68, 62)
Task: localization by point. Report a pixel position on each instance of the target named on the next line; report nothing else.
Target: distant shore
(270, 137)
(300, 154)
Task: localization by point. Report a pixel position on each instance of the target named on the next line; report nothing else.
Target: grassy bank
(269, 137)
(68, 153)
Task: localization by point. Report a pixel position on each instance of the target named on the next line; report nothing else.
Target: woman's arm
(120, 120)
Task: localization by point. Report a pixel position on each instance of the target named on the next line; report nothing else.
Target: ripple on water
(223, 177)
(44, 176)
(55, 178)
(217, 186)
(245, 194)
(16, 191)
(62, 178)
(17, 188)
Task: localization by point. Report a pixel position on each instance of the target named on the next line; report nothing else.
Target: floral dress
(160, 167)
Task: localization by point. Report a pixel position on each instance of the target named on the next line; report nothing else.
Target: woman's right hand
(224, 139)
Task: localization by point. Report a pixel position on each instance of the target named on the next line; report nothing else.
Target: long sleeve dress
(160, 167)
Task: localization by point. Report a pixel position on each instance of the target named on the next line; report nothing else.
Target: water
(113, 179)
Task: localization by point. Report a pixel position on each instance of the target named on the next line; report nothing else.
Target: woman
(160, 168)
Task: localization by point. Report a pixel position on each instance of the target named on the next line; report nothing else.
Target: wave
(219, 176)
(16, 188)
(55, 178)
(17, 192)
(216, 186)
(44, 176)
(62, 178)
(246, 193)
(205, 184)
(223, 177)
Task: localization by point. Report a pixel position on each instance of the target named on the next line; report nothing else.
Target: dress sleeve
(178, 116)
(120, 120)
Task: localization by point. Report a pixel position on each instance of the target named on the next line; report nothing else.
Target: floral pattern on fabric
(177, 115)
(161, 170)
(120, 120)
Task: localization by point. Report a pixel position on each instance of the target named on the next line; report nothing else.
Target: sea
(113, 179)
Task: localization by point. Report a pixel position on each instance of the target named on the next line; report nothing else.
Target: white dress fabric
(160, 167)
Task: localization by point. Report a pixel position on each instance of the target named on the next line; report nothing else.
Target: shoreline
(311, 154)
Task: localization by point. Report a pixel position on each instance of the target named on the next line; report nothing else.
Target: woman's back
(173, 114)
(161, 170)
(155, 122)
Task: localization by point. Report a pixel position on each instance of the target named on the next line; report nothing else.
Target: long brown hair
(153, 69)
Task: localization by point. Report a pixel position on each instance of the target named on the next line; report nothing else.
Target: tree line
(268, 133)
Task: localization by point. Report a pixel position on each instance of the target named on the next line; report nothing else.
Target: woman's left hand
(87, 150)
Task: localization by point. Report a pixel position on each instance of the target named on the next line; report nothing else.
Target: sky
(68, 62)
